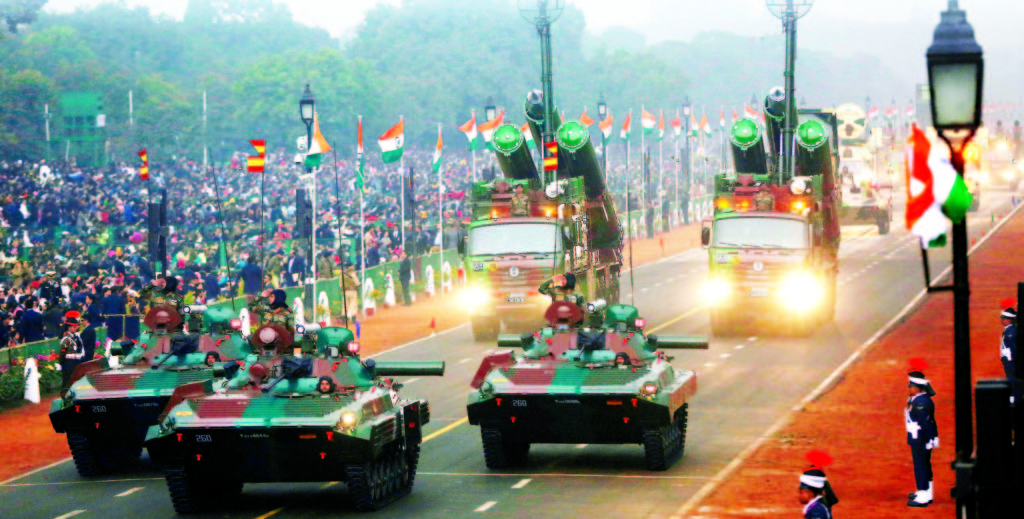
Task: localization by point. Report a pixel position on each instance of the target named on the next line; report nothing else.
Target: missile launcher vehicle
(596, 379)
(106, 409)
(294, 415)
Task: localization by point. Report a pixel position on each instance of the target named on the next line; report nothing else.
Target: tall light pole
(490, 111)
(687, 176)
(602, 114)
(956, 75)
(307, 112)
(789, 11)
(543, 13)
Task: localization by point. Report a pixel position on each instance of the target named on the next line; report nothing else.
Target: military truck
(773, 243)
(107, 409)
(595, 378)
(521, 231)
(292, 414)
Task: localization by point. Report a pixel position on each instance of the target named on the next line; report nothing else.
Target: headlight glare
(801, 291)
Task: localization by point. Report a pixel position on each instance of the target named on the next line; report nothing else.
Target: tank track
(88, 462)
(500, 453)
(384, 480)
(664, 445)
(190, 495)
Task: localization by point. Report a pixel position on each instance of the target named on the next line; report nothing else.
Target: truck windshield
(520, 238)
(761, 233)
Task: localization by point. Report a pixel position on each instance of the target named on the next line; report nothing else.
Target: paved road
(746, 384)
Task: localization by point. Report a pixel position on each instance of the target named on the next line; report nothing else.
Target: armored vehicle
(107, 409)
(522, 231)
(602, 381)
(292, 415)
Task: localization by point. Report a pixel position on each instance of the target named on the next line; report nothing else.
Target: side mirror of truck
(460, 245)
(705, 235)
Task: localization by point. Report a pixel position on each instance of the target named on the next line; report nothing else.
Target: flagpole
(337, 247)
(205, 150)
(362, 221)
(263, 230)
(661, 175)
(401, 170)
(440, 219)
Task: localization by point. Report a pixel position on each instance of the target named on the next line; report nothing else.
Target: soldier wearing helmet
(272, 308)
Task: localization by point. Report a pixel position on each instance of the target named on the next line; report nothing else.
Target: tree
(19, 12)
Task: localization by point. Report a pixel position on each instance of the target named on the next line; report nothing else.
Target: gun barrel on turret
(409, 369)
(678, 342)
(813, 150)
(513, 154)
(747, 146)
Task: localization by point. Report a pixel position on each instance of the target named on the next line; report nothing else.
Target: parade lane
(742, 392)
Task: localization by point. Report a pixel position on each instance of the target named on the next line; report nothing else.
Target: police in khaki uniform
(162, 291)
(272, 308)
(922, 433)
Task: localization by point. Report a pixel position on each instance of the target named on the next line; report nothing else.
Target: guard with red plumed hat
(815, 490)
(1008, 347)
(922, 432)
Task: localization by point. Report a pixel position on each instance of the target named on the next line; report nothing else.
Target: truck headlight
(348, 420)
(1009, 174)
(801, 291)
(649, 389)
(716, 290)
(473, 297)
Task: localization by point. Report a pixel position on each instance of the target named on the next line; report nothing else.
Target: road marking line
(88, 482)
(270, 513)
(725, 355)
(486, 506)
(411, 380)
(784, 420)
(465, 360)
(556, 475)
(522, 483)
(739, 346)
(443, 430)
(751, 339)
(677, 319)
(656, 285)
(128, 492)
(70, 514)
(709, 364)
(34, 471)
(642, 290)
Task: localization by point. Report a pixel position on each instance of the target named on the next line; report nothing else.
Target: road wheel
(501, 453)
(681, 421)
(412, 461)
(185, 492)
(485, 328)
(89, 461)
(662, 446)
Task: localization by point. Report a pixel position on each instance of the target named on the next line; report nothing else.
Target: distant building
(82, 130)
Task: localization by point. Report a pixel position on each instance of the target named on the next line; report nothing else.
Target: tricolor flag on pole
(144, 170)
(721, 118)
(585, 119)
(487, 128)
(318, 147)
(694, 127)
(647, 121)
(750, 113)
(359, 157)
(934, 189)
(437, 151)
(606, 126)
(735, 116)
(255, 163)
(392, 142)
(704, 125)
(911, 111)
(626, 127)
(677, 126)
(873, 114)
(661, 125)
(528, 135)
(472, 134)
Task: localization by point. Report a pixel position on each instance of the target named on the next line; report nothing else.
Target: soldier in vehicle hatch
(520, 202)
(162, 291)
(272, 308)
(562, 288)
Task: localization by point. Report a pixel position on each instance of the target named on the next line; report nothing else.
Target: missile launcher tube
(513, 154)
(748, 153)
(576, 155)
(813, 151)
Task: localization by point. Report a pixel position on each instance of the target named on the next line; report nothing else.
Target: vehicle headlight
(473, 297)
(649, 389)
(985, 179)
(1009, 174)
(716, 290)
(348, 420)
(801, 291)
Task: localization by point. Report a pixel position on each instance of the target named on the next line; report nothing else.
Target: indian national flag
(359, 157)
(677, 126)
(735, 116)
(694, 128)
(704, 124)
(475, 143)
(750, 113)
(624, 134)
(318, 147)
(648, 121)
(437, 151)
(873, 114)
(585, 119)
(606, 127)
(661, 126)
(487, 128)
(934, 189)
(721, 118)
(528, 135)
(392, 142)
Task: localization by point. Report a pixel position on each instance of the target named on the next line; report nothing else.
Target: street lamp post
(307, 111)
(955, 74)
(602, 114)
(490, 111)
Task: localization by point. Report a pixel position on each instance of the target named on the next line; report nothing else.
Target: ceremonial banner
(550, 156)
(144, 170)
(255, 163)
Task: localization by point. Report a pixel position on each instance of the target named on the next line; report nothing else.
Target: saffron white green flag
(528, 135)
(487, 128)
(392, 142)
(437, 151)
(318, 147)
(934, 191)
(469, 128)
(647, 121)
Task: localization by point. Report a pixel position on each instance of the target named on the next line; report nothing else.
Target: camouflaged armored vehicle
(598, 382)
(294, 416)
(106, 410)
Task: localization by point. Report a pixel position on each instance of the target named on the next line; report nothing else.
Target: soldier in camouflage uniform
(272, 308)
(562, 288)
(163, 291)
